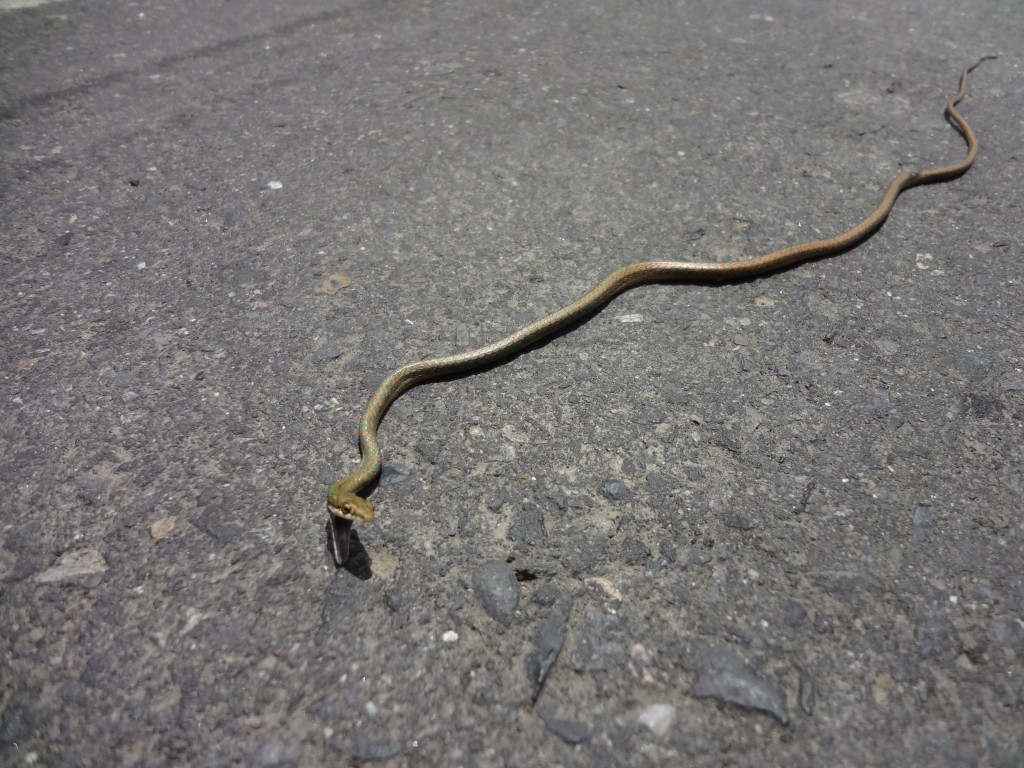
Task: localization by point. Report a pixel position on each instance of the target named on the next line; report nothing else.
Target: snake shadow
(359, 562)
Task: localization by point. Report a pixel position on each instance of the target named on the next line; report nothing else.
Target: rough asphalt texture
(776, 522)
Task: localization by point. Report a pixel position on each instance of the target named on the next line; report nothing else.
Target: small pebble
(162, 528)
(658, 718)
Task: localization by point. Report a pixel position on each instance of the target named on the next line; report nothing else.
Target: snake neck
(343, 499)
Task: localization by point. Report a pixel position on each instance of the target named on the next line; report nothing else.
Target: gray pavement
(775, 522)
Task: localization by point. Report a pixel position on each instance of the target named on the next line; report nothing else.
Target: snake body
(344, 502)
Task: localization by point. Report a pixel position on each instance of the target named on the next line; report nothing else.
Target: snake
(346, 502)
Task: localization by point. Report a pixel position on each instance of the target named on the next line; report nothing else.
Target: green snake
(344, 502)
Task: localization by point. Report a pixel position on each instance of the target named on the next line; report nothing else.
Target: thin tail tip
(977, 64)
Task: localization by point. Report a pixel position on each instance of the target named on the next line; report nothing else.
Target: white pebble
(450, 636)
(658, 718)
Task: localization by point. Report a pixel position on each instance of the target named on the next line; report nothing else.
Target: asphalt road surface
(771, 522)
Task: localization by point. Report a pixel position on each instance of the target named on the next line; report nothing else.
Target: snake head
(347, 505)
(345, 508)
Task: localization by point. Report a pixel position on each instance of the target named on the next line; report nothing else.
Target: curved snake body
(344, 503)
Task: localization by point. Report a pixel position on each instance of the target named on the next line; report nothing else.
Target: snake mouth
(341, 532)
(345, 508)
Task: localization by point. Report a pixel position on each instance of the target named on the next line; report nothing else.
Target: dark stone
(393, 474)
(726, 678)
(330, 350)
(667, 552)
(806, 696)
(206, 496)
(215, 523)
(497, 590)
(28, 564)
(615, 490)
(584, 556)
(793, 614)
(600, 644)
(365, 747)
(1006, 631)
(24, 536)
(635, 552)
(737, 520)
(546, 594)
(569, 731)
(528, 528)
(547, 644)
